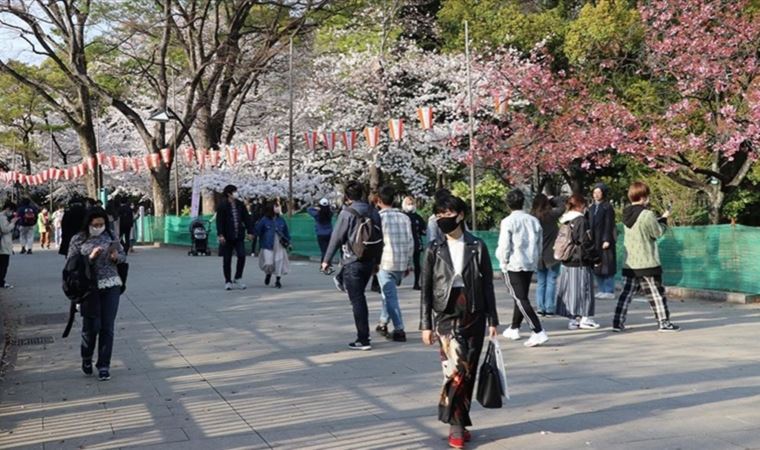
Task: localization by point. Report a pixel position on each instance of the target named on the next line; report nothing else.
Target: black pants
(324, 242)
(417, 267)
(355, 278)
(254, 250)
(518, 285)
(238, 246)
(124, 236)
(5, 261)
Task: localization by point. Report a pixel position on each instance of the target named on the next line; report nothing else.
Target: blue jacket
(322, 229)
(268, 229)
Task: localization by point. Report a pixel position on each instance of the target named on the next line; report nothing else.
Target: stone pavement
(196, 367)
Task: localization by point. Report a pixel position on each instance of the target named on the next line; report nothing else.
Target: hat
(324, 202)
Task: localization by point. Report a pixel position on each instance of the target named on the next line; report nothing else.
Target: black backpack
(366, 237)
(79, 283)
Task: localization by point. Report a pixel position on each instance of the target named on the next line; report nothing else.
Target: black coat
(601, 219)
(585, 253)
(225, 227)
(419, 229)
(438, 275)
(71, 224)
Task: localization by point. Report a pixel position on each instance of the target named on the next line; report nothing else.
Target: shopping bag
(489, 380)
(500, 364)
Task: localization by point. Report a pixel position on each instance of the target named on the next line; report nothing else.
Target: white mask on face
(235, 195)
(277, 210)
(409, 208)
(97, 231)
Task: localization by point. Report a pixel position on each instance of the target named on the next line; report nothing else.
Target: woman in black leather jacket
(457, 288)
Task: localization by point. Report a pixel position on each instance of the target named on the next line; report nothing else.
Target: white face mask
(97, 231)
(235, 195)
(277, 210)
(409, 208)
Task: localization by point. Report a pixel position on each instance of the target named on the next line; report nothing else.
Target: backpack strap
(70, 322)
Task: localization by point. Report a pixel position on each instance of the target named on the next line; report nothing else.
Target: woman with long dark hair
(548, 212)
(273, 233)
(575, 287)
(323, 226)
(103, 250)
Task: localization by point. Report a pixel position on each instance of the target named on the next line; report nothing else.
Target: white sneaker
(573, 324)
(589, 324)
(512, 334)
(537, 339)
(238, 285)
(605, 296)
(227, 286)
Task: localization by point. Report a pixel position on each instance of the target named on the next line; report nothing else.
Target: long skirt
(575, 292)
(275, 262)
(461, 335)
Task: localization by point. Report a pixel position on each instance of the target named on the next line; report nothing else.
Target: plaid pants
(657, 301)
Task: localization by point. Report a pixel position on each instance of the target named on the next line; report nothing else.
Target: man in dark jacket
(232, 225)
(71, 223)
(126, 222)
(355, 272)
(419, 229)
(601, 219)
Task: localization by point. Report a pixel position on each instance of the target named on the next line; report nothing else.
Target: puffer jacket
(438, 276)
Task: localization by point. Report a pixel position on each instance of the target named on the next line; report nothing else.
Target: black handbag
(489, 381)
(123, 269)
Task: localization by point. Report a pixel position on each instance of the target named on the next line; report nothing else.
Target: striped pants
(657, 301)
(518, 285)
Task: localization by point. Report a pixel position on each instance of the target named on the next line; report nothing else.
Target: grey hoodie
(343, 227)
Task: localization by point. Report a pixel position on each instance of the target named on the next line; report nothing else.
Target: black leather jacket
(438, 275)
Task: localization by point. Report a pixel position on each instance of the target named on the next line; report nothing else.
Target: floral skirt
(461, 336)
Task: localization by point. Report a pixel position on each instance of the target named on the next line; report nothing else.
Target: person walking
(57, 219)
(433, 233)
(8, 220)
(323, 227)
(272, 232)
(642, 266)
(356, 271)
(232, 225)
(419, 229)
(575, 286)
(457, 304)
(71, 222)
(547, 211)
(395, 264)
(126, 222)
(44, 228)
(99, 312)
(601, 218)
(27, 214)
(518, 252)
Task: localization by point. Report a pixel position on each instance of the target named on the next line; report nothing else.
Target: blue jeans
(389, 280)
(356, 275)
(546, 289)
(605, 284)
(101, 327)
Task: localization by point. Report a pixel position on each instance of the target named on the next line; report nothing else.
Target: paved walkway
(199, 368)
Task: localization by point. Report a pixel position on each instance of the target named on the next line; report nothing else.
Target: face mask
(235, 195)
(277, 210)
(97, 231)
(409, 208)
(448, 224)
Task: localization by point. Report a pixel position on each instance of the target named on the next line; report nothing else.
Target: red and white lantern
(372, 136)
(136, 163)
(215, 157)
(425, 114)
(200, 155)
(189, 155)
(396, 129)
(250, 151)
(101, 157)
(113, 162)
(329, 138)
(154, 160)
(91, 162)
(232, 156)
(311, 138)
(166, 155)
(44, 176)
(272, 141)
(349, 140)
(58, 174)
(124, 164)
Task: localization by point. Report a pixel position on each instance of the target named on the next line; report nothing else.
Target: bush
(490, 200)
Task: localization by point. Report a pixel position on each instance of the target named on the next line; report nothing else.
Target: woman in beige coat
(7, 224)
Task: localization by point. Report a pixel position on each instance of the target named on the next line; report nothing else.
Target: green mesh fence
(720, 257)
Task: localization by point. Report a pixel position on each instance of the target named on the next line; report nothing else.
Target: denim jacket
(270, 229)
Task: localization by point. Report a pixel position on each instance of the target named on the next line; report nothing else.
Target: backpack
(366, 237)
(564, 246)
(79, 283)
(30, 217)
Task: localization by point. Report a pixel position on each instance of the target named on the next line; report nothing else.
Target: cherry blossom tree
(708, 138)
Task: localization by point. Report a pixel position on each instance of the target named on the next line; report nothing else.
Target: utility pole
(175, 144)
(290, 130)
(470, 118)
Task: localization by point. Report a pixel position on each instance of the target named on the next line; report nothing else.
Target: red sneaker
(467, 436)
(456, 442)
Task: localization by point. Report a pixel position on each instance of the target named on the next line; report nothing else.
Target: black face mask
(448, 224)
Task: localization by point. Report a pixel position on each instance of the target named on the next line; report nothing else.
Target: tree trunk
(375, 174)
(160, 182)
(88, 147)
(208, 202)
(716, 197)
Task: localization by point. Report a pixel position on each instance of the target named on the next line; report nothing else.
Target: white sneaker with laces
(537, 339)
(227, 286)
(512, 334)
(605, 295)
(238, 285)
(573, 324)
(588, 323)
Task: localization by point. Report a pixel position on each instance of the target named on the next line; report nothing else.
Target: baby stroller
(199, 238)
